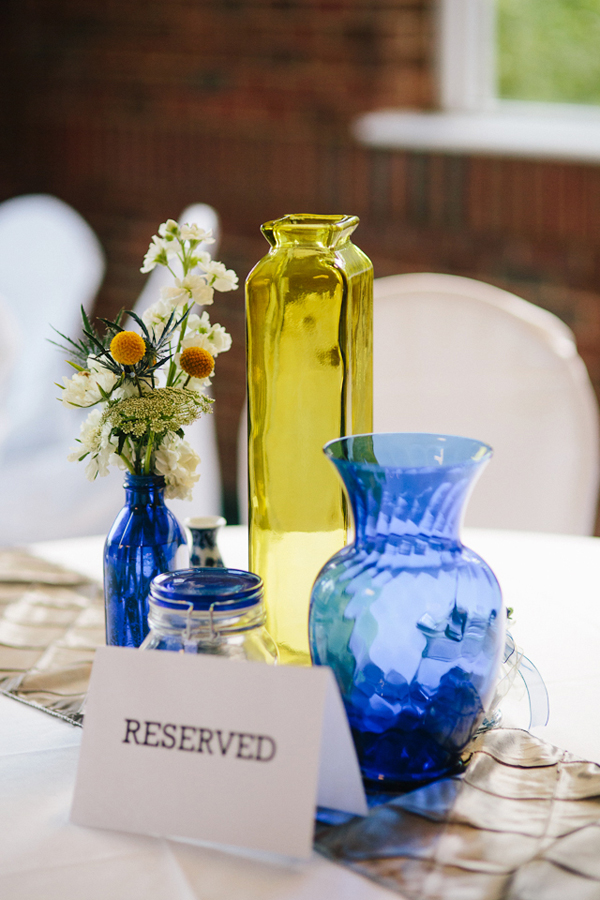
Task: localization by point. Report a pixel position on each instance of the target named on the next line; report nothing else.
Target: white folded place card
(201, 747)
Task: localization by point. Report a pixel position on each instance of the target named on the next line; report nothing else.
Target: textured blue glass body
(411, 622)
(145, 540)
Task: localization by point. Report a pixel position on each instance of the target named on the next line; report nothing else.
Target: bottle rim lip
(313, 221)
(153, 480)
(205, 588)
(467, 451)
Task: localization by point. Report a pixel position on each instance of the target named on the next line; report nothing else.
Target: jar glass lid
(203, 588)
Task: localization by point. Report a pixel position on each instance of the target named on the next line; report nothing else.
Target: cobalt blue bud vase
(411, 621)
(145, 540)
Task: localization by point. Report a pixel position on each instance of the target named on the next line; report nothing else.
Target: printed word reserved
(189, 738)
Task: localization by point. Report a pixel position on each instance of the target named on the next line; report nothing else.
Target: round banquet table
(551, 581)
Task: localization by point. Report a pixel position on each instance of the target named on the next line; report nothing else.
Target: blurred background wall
(131, 109)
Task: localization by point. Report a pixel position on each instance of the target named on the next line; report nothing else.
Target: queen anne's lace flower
(177, 461)
(156, 412)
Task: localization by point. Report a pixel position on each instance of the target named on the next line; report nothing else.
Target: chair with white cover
(51, 263)
(202, 435)
(456, 356)
(11, 346)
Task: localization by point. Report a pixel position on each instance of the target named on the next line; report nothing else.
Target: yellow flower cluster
(127, 348)
(156, 412)
(197, 362)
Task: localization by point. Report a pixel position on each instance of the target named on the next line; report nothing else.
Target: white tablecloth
(553, 583)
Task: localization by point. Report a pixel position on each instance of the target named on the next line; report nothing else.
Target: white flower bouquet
(144, 387)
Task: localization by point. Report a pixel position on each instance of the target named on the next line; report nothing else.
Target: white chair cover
(51, 263)
(453, 355)
(11, 345)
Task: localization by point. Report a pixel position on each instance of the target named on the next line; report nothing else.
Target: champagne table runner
(51, 621)
(521, 823)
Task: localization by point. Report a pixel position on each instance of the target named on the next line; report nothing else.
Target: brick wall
(132, 110)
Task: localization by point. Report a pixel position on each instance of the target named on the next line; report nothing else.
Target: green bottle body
(309, 330)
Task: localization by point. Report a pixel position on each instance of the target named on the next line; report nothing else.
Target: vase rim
(326, 232)
(464, 451)
(308, 221)
(143, 480)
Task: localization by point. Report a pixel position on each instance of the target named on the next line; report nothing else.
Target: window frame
(466, 55)
(472, 119)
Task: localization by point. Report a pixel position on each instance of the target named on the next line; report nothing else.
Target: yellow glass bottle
(309, 329)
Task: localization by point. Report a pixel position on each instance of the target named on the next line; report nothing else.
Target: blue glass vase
(145, 540)
(411, 621)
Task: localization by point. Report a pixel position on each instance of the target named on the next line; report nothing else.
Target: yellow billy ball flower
(197, 362)
(127, 348)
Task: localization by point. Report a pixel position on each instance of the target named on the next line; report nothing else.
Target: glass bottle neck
(144, 489)
(409, 506)
(310, 232)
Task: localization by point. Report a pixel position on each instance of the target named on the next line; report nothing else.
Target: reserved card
(201, 747)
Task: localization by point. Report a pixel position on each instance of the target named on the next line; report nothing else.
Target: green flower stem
(146, 470)
(171, 376)
(127, 462)
(137, 381)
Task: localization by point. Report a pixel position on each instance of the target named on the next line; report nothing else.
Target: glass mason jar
(309, 307)
(210, 610)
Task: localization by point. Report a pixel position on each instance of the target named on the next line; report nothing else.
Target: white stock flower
(174, 296)
(82, 389)
(215, 338)
(157, 315)
(199, 258)
(192, 232)
(169, 229)
(216, 341)
(191, 289)
(155, 255)
(219, 277)
(220, 340)
(95, 440)
(199, 323)
(177, 461)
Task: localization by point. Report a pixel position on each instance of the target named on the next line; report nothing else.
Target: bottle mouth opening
(204, 589)
(308, 220)
(306, 228)
(408, 451)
